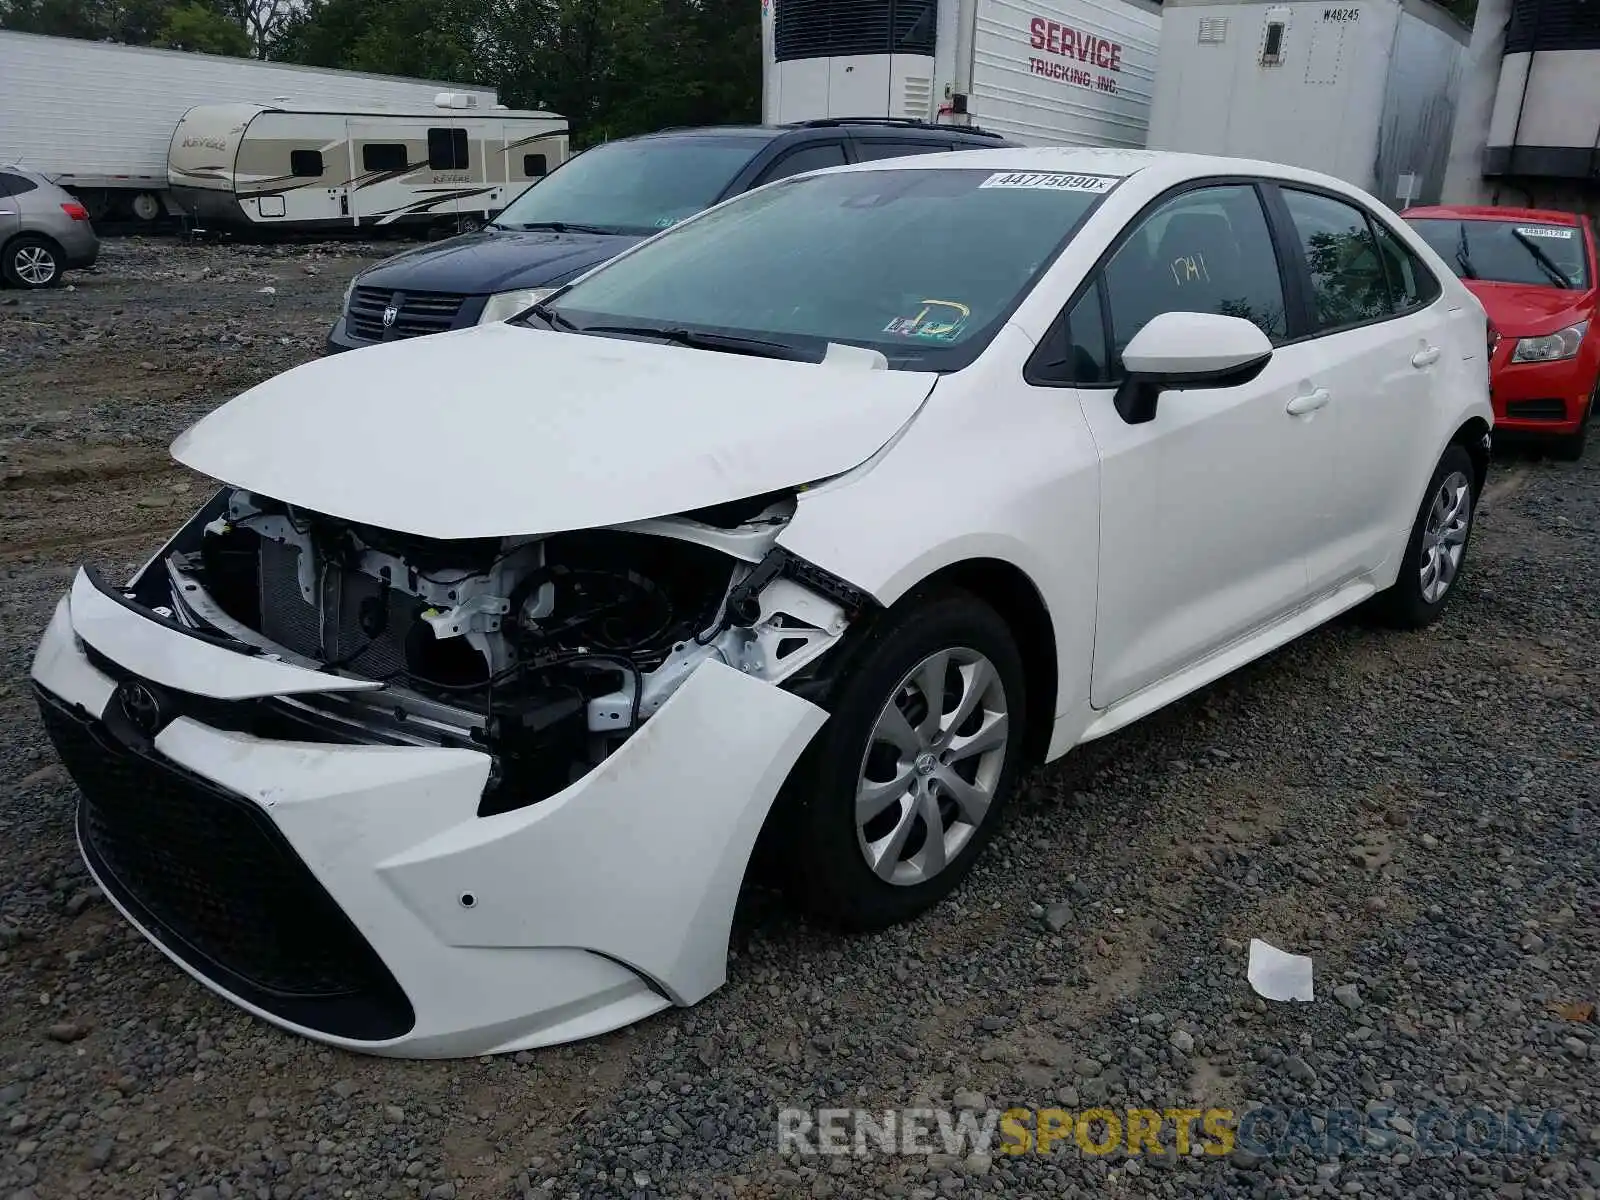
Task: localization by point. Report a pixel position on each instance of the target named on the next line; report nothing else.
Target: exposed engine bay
(548, 652)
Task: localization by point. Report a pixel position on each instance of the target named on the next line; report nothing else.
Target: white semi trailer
(98, 117)
(1044, 72)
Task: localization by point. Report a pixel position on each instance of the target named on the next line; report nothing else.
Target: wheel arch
(1009, 590)
(1472, 436)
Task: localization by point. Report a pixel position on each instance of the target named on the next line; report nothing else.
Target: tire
(825, 866)
(1570, 447)
(468, 224)
(1409, 603)
(145, 206)
(30, 261)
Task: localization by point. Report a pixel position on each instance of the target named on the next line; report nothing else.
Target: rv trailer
(258, 167)
(1040, 72)
(97, 117)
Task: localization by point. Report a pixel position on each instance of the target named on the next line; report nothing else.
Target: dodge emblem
(389, 314)
(140, 706)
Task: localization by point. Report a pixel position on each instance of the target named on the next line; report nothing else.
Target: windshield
(922, 264)
(635, 187)
(1509, 251)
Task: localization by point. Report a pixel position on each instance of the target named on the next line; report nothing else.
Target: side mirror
(1178, 350)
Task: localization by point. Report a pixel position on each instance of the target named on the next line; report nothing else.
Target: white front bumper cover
(576, 915)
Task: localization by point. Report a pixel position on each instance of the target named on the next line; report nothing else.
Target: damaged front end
(337, 772)
(546, 652)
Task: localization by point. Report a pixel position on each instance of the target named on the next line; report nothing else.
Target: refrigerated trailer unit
(259, 167)
(1042, 72)
(97, 117)
(1364, 90)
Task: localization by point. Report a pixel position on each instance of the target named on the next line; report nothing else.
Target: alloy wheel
(1444, 537)
(34, 265)
(931, 766)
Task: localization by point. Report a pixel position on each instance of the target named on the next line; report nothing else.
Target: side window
(869, 151)
(1208, 251)
(15, 185)
(1086, 341)
(807, 158)
(447, 149)
(1348, 286)
(1411, 284)
(305, 164)
(535, 166)
(383, 156)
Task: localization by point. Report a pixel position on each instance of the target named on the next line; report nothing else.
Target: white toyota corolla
(451, 723)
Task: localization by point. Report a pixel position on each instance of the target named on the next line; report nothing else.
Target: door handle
(1307, 403)
(1425, 357)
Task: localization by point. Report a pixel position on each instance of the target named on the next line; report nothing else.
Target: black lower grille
(409, 313)
(1537, 410)
(207, 873)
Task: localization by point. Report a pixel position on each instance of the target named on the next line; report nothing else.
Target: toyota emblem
(140, 706)
(389, 314)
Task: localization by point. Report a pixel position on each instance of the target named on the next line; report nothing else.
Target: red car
(1536, 273)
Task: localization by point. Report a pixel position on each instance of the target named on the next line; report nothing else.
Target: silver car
(44, 232)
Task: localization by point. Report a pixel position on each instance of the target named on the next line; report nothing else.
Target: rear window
(1508, 251)
(922, 264)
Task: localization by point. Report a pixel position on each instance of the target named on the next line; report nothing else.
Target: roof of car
(1472, 212)
(853, 125)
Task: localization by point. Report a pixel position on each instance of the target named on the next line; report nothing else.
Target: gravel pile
(1417, 813)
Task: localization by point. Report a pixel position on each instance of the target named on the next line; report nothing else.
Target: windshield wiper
(564, 227)
(1463, 260)
(705, 340)
(1543, 259)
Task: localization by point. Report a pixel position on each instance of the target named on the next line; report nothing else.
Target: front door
(10, 210)
(1208, 510)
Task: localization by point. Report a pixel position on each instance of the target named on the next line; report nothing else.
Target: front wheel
(1437, 549)
(907, 781)
(1570, 447)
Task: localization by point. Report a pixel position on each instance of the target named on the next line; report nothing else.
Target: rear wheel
(906, 783)
(31, 261)
(1437, 549)
(146, 206)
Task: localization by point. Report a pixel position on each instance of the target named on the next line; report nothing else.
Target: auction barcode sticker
(1060, 181)
(1544, 231)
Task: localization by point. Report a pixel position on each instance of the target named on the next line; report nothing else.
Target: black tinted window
(383, 156)
(15, 185)
(1086, 341)
(869, 151)
(447, 149)
(1205, 251)
(305, 163)
(1348, 285)
(807, 158)
(1411, 285)
(534, 165)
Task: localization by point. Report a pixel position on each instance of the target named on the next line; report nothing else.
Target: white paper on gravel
(1278, 975)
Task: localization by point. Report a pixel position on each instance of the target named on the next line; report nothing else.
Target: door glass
(1411, 285)
(807, 158)
(868, 151)
(1205, 251)
(1086, 342)
(1348, 286)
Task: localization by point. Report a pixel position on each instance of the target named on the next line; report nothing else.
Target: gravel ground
(1418, 813)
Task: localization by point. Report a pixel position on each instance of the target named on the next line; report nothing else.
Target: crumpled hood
(1529, 310)
(504, 430)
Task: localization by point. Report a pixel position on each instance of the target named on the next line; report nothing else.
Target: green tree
(194, 26)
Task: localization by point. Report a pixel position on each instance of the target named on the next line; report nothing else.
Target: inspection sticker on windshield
(1545, 231)
(1056, 181)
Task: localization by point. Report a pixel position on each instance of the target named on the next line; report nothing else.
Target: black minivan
(599, 203)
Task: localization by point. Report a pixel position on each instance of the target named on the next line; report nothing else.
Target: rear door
(1380, 331)
(10, 209)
